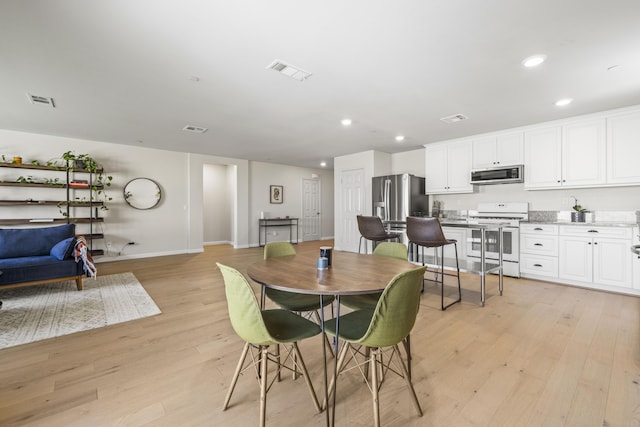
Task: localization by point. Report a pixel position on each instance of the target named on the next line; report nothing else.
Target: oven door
(510, 239)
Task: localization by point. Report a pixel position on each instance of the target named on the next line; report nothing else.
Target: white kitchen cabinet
(571, 155)
(500, 150)
(454, 233)
(543, 158)
(539, 250)
(623, 148)
(448, 167)
(598, 257)
(460, 235)
(584, 153)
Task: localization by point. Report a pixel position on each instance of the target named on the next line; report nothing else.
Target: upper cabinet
(623, 148)
(448, 167)
(542, 158)
(501, 150)
(571, 155)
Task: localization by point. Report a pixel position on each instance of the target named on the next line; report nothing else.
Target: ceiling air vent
(41, 100)
(289, 70)
(196, 129)
(455, 118)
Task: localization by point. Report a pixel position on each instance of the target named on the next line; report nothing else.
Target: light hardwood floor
(540, 355)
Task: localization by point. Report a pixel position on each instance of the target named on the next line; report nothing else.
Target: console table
(266, 223)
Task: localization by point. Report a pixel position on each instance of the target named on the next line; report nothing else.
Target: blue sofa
(31, 256)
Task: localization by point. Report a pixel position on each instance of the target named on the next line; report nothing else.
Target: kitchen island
(481, 268)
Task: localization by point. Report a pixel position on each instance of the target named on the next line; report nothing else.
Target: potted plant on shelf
(578, 211)
(87, 163)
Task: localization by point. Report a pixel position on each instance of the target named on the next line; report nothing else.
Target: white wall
(594, 199)
(176, 225)
(263, 175)
(412, 162)
(217, 215)
(156, 231)
(373, 163)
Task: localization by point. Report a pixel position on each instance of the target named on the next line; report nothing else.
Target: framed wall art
(276, 193)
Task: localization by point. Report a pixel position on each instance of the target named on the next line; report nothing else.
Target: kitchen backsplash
(561, 216)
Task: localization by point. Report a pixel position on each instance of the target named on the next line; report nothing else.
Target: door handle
(537, 229)
(537, 265)
(537, 244)
(592, 231)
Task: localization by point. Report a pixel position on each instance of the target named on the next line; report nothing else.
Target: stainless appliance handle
(387, 186)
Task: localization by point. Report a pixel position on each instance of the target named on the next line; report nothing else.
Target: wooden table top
(349, 274)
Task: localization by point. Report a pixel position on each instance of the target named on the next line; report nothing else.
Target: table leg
(335, 363)
(500, 259)
(324, 355)
(482, 266)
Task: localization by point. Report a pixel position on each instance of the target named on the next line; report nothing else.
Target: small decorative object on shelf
(578, 211)
(17, 160)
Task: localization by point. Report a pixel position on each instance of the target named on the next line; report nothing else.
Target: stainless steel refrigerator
(395, 197)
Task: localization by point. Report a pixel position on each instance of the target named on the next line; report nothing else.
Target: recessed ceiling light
(534, 60)
(346, 122)
(563, 102)
(399, 138)
(323, 164)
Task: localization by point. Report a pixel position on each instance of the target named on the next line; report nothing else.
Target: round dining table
(349, 274)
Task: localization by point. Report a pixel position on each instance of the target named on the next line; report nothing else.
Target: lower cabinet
(583, 255)
(454, 233)
(595, 261)
(539, 250)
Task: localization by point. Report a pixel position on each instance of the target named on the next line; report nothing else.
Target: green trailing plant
(54, 181)
(86, 163)
(25, 179)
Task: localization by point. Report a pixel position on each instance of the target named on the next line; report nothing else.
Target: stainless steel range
(506, 213)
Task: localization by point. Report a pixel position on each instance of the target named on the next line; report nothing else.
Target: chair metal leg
(236, 374)
(360, 244)
(444, 307)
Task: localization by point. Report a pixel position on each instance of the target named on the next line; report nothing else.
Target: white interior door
(353, 199)
(311, 214)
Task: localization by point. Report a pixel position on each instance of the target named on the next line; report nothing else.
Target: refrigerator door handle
(387, 185)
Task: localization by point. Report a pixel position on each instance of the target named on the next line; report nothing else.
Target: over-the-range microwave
(498, 175)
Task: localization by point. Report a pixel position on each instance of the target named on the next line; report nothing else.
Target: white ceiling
(122, 70)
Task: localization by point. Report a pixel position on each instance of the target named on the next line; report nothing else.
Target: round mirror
(142, 193)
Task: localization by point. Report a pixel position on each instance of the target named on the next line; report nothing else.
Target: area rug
(39, 312)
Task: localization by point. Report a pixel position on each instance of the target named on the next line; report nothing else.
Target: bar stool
(371, 228)
(427, 233)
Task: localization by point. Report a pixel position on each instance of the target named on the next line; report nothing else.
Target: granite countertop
(586, 224)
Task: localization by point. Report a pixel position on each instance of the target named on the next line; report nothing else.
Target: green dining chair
(369, 301)
(261, 329)
(291, 301)
(381, 328)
